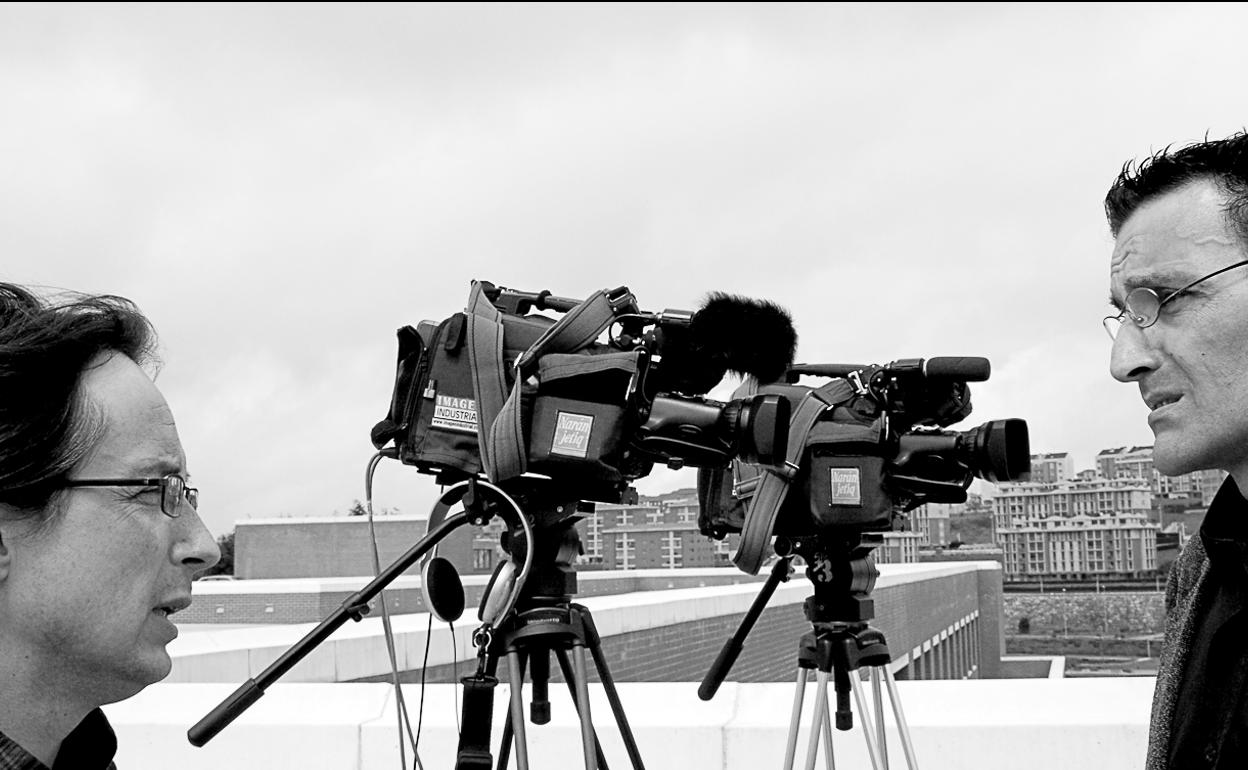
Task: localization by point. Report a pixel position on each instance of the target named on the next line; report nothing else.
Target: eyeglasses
(173, 490)
(1143, 306)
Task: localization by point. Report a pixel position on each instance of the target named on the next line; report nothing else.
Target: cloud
(280, 188)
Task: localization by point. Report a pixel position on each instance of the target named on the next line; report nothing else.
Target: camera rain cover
(833, 476)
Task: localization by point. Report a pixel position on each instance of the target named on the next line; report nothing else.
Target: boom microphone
(729, 334)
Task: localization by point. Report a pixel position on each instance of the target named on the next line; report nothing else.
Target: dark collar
(1224, 531)
(91, 745)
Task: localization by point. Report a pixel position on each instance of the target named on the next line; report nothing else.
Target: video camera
(502, 390)
(863, 448)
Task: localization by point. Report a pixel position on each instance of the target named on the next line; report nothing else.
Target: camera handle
(780, 573)
(354, 608)
(476, 511)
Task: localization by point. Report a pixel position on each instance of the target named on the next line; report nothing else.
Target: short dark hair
(1222, 161)
(46, 427)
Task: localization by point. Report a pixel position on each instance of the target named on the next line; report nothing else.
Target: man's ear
(9, 524)
(5, 557)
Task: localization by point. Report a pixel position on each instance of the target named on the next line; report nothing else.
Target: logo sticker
(457, 414)
(572, 434)
(846, 486)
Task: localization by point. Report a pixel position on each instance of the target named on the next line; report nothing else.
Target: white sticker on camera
(846, 486)
(572, 434)
(457, 414)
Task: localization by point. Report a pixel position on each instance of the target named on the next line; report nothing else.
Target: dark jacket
(1185, 590)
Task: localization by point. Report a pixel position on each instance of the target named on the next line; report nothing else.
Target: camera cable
(402, 715)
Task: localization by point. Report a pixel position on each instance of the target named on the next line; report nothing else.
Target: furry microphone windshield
(729, 334)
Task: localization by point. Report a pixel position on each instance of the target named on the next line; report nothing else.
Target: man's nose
(195, 547)
(1133, 354)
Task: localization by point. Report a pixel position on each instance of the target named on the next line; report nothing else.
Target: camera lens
(759, 428)
(999, 450)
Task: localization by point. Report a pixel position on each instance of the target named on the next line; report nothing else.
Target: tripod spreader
(841, 649)
(732, 648)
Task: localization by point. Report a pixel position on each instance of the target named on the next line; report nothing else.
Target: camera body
(863, 448)
(502, 390)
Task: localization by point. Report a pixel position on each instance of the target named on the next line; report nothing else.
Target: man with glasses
(99, 534)
(1179, 288)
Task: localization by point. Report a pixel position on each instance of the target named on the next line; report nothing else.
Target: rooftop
(316, 717)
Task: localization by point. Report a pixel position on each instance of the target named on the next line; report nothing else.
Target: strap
(769, 494)
(485, 359)
(560, 366)
(499, 428)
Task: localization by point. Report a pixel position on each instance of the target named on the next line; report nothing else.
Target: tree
(226, 565)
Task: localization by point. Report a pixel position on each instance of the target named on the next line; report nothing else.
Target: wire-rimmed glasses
(1143, 305)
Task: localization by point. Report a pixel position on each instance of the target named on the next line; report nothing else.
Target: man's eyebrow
(161, 467)
(1162, 277)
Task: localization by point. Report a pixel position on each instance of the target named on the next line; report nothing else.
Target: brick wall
(311, 601)
(947, 628)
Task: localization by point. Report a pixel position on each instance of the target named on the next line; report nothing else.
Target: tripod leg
(504, 749)
(569, 676)
(867, 729)
(588, 741)
(877, 693)
(795, 721)
(829, 757)
(608, 685)
(902, 727)
(516, 720)
(816, 724)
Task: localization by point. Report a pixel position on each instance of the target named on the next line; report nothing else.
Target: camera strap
(768, 490)
(499, 425)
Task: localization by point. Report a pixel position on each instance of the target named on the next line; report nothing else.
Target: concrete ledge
(1098, 724)
(357, 650)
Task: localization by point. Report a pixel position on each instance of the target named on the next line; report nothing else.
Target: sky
(281, 187)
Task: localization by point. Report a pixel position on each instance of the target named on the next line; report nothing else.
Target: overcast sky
(281, 187)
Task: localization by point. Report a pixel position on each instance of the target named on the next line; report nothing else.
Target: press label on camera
(458, 414)
(846, 486)
(572, 434)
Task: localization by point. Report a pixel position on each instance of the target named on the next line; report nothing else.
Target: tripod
(544, 621)
(839, 644)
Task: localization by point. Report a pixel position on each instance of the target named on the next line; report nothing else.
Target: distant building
(1137, 462)
(898, 548)
(662, 533)
(658, 532)
(1052, 467)
(1076, 529)
(1081, 547)
(931, 522)
(1023, 502)
(1121, 462)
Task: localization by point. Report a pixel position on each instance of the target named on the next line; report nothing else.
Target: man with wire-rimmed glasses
(1179, 289)
(99, 533)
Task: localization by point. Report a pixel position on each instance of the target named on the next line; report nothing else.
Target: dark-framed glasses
(173, 490)
(1143, 306)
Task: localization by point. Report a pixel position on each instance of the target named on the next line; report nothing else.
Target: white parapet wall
(357, 650)
(1040, 724)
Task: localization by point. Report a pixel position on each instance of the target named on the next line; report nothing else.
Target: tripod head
(553, 541)
(842, 572)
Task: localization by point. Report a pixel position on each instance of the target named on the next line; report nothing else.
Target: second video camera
(864, 447)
